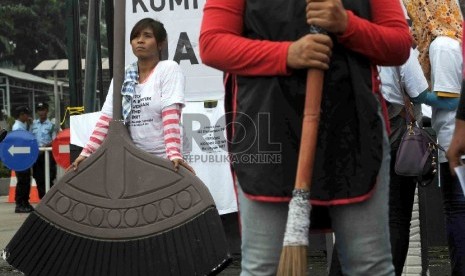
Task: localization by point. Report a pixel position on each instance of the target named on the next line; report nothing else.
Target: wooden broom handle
(310, 123)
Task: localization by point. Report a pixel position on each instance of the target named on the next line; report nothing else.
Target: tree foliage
(35, 30)
(31, 31)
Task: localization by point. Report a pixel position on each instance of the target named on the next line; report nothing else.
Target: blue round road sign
(19, 150)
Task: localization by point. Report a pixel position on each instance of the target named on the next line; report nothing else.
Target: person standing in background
(44, 131)
(457, 145)
(437, 29)
(396, 82)
(23, 186)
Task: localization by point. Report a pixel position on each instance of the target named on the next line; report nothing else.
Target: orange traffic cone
(33, 196)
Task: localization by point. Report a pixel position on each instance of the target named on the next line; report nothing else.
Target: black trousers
(401, 199)
(454, 211)
(38, 172)
(23, 186)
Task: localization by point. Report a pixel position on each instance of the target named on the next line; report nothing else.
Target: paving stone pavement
(10, 222)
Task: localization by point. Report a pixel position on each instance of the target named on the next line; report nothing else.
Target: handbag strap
(408, 106)
(425, 158)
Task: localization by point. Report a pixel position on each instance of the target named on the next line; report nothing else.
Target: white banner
(81, 127)
(182, 19)
(205, 149)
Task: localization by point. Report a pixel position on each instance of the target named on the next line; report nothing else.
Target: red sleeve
(222, 45)
(98, 135)
(387, 42)
(171, 116)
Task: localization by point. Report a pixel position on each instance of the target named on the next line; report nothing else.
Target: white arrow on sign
(63, 149)
(19, 150)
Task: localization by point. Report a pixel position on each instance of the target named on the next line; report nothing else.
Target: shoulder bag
(418, 151)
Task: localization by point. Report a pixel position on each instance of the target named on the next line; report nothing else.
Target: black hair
(21, 110)
(157, 28)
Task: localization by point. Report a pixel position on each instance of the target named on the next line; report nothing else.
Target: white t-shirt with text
(164, 87)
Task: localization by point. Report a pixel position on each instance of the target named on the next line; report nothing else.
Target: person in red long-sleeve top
(265, 48)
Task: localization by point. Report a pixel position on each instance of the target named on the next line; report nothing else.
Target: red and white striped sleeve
(98, 135)
(171, 116)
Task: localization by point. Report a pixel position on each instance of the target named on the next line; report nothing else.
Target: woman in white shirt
(153, 97)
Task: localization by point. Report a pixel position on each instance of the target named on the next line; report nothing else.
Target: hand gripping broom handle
(310, 123)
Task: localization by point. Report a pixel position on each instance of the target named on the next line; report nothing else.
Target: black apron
(266, 116)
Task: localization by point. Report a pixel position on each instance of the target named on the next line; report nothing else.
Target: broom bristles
(40, 248)
(293, 261)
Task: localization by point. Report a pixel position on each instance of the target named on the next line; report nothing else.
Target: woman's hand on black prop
(327, 14)
(75, 164)
(178, 161)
